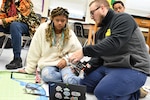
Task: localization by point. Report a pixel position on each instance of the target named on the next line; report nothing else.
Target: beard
(99, 22)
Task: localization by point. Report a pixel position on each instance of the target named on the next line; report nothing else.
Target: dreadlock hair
(49, 31)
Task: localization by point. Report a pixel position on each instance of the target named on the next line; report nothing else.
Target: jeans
(52, 73)
(16, 29)
(114, 83)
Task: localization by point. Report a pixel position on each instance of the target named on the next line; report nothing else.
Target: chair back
(78, 29)
(39, 16)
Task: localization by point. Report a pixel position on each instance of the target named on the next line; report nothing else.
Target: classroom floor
(7, 56)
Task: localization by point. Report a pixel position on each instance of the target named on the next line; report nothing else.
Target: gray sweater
(119, 43)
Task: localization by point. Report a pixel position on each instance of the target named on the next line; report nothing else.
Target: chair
(25, 38)
(79, 31)
(7, 36)
(28, 39)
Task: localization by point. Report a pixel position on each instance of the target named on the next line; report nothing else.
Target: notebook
(63, 91)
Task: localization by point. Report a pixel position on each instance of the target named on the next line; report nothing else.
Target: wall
(88, 19)
(138, 7)
(38, 7)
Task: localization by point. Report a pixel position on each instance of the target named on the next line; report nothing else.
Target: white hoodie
(41, 54)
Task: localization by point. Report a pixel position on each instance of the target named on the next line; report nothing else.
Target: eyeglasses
(92, 12)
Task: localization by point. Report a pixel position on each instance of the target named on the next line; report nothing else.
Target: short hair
(105, 2)
(118, 2)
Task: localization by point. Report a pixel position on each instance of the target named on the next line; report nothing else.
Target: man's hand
(62, 64)
(76, 56)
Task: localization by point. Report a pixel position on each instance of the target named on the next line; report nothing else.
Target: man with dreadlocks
(51, 45)
(17, 17)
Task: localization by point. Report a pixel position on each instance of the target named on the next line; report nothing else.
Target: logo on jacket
(108, 33)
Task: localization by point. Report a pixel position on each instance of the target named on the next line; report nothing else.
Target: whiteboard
(138, 7)
(76, 8)
(41, 7)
